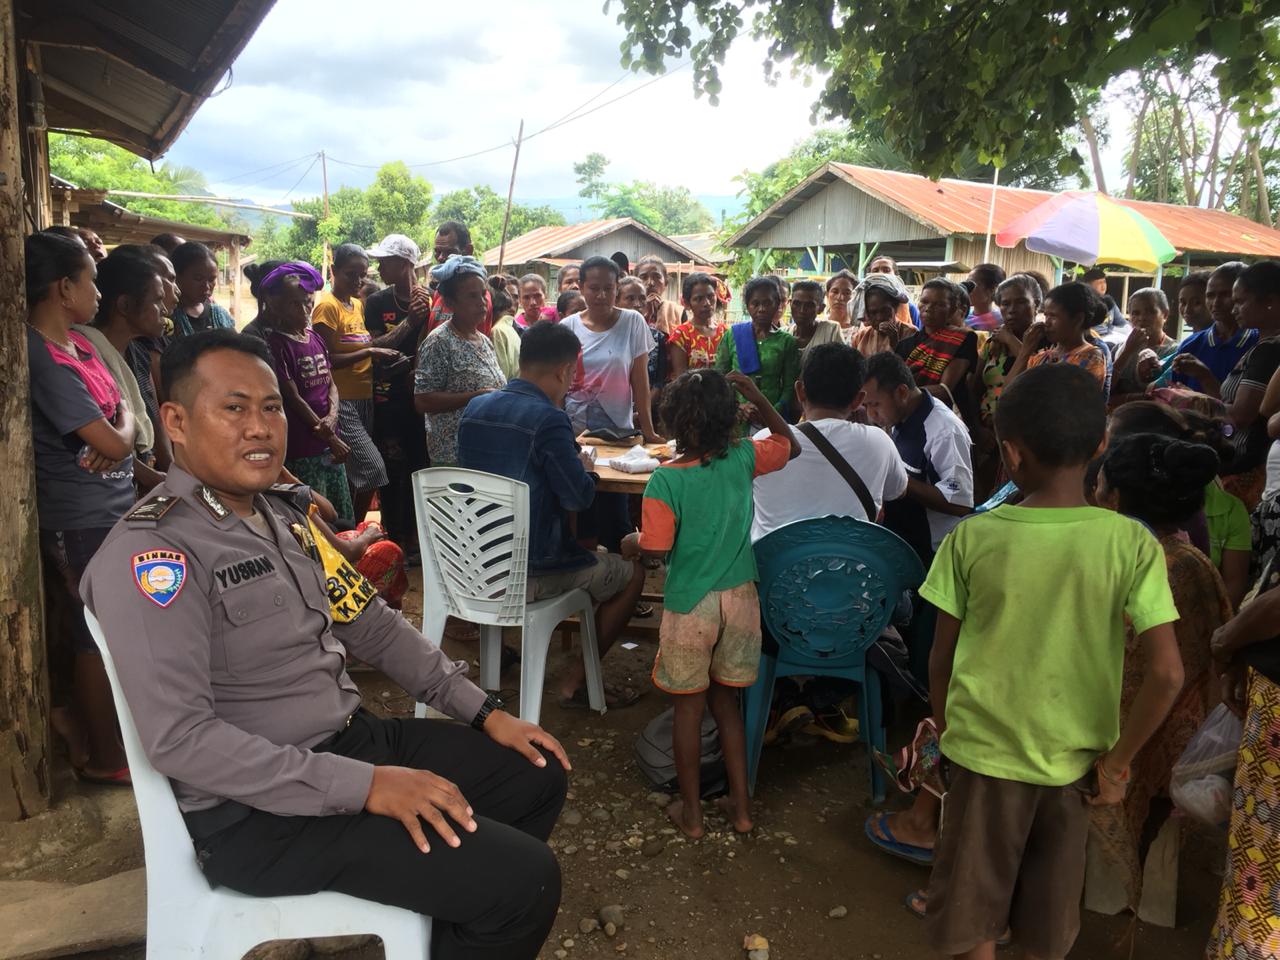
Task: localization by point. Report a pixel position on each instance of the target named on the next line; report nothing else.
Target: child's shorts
(1009, 854)
(718, 640)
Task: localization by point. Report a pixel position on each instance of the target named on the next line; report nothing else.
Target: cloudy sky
(383, 80)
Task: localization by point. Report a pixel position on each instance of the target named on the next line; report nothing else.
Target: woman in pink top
(83, 439)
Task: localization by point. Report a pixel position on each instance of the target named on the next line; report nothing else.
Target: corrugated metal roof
(134, 71)
(961, 207)
(705, 245)
(544, 242)
(116, 224)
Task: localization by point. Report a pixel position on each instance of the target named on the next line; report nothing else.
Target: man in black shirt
(398, 431)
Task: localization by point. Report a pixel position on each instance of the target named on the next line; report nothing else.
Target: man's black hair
(1196, 278)
(990, 275)
(1093, 273)
(547, 344)
(813, 286)
(456, 229)
(1055, 411)
(168, 242)
(889, 371)
(179, 360)
(832, 374)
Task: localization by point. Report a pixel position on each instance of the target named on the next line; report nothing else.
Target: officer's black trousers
(495, 896)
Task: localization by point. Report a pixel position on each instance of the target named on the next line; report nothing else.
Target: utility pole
(511, 190)
(324, 173)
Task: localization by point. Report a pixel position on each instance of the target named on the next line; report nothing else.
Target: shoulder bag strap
(843, 467)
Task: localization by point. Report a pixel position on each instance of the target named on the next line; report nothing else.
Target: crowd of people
(1026, 440)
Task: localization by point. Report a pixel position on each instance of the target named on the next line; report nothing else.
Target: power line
(314, 160)
(570, 117)
(283, 165)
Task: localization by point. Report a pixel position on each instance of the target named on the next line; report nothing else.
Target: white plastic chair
(473, 529)
(186, 918)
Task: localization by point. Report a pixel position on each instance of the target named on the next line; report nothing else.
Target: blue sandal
(886, 841)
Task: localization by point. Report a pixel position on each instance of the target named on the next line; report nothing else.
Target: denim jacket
(517, 432)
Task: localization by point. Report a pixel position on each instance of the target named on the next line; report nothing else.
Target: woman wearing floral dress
(456, 362)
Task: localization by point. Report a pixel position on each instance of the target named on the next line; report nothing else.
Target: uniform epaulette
(149, 512)
(297, 495)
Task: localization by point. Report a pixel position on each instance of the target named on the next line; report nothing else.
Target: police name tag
(160, 575)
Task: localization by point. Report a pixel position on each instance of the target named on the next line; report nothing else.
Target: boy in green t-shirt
(698, 511)
(1025, 676)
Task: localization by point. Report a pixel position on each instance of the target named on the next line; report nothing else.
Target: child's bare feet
(738, 812)
(689, 821)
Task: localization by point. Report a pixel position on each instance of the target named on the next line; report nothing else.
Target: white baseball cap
(396, 245)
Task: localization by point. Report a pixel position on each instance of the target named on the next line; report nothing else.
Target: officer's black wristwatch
(491, 703)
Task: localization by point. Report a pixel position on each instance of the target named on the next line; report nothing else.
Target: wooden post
(511, 192)
(24, 697)
(233, 260)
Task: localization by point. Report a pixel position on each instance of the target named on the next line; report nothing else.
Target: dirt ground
(807, 857)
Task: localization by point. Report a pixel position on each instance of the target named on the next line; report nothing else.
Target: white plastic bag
(1200, 784)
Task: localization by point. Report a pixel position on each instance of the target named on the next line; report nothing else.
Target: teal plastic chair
(827, 590)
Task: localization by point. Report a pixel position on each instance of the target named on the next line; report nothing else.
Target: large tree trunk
(1260, 181)
(1091, 137)
(24, 712)
(1137, 147)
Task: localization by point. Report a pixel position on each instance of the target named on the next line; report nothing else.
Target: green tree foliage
(99, 165)
(482, 210)
(934, 77)
(590, 173)
(665, 209)
(396, 202)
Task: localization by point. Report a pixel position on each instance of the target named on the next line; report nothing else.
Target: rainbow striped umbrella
(1088, 227)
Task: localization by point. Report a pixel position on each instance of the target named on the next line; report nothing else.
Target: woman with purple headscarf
(300, 359)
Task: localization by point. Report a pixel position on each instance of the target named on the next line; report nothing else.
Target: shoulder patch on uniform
(149, 511)
(209, 500)
(160, 575)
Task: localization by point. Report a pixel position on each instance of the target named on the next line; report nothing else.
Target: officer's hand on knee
(407, 795)
(524, 738)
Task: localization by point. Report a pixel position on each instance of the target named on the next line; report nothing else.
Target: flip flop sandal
(644, 610)
(887, 842)
(615, 698)
(117, 778)
(917, 901)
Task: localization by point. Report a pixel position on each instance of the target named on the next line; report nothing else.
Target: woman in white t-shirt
(611, 388)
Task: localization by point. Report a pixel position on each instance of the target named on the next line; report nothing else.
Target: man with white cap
(402, 307)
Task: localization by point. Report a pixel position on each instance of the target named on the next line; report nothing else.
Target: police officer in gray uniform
(229, 623)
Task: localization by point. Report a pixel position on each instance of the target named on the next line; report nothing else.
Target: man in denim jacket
(522, 432)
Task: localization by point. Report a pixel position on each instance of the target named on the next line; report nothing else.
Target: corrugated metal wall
(629, 240)
(968, 250)
(841, 215)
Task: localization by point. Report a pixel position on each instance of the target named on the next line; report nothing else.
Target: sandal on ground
(836, 727)
(644, 610)
(886, 841)
(117, 778)
(917, 902)
(615, 698)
